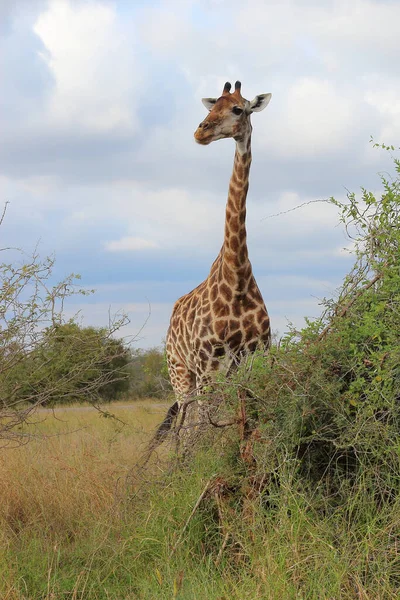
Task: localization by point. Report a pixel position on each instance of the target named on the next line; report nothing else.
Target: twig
(6, 203)
(196, 506)
(221, 550)
(285, 212)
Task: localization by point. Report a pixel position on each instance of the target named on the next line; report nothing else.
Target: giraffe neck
(234, 250)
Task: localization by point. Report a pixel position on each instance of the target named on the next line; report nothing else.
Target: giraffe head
(229, 115)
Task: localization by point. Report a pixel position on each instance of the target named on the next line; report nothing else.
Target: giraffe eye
(236, 110)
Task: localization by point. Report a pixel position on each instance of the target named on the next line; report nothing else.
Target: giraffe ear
(209, 102)
(259, 102)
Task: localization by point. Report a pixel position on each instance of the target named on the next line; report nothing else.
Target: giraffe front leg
(183, 382)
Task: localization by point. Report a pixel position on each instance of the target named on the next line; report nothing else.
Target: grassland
(76, 522)
(60, 496)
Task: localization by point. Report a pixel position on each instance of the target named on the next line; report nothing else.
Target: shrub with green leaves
(329, 396)
(45, 359)
(148, 374)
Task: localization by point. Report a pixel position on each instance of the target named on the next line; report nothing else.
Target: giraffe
(225, 316)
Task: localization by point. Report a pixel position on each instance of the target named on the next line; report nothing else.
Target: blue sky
(99, 103)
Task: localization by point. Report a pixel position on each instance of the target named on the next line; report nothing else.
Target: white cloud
(165, 28)
(91, 60)
(367, 23)
(129, 243)
(383, 94)
(313, 118)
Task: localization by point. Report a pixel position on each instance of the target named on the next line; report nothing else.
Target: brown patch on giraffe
(251, 333)
(252, 346)
(204, 331)
(234, 191)
(191, 318)
(207, 319)
(236, 179)
(237, 309)
(235, 339)
(218, 351)
(254, 294)
(243, 254)
(226, 291)
(221, 309)
(214, 292)
(248, 321)
(249, 304)
(230, 258)
(242, 287)
(234, 243)
(203, 355)
(207, 347)
(228, 274)
(239, 168)
(260, 315)
(220, 328)
(233, 325)
(234, 225)
(265, 325)
(215, 364)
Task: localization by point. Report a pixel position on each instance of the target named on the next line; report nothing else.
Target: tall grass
(60, 494)
(70, 530)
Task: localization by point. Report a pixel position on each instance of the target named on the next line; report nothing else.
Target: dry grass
(68, 476)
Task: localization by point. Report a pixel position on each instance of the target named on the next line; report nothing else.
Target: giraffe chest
(207, 326)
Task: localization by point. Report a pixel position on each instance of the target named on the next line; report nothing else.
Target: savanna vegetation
(47, 359)
(291, 491)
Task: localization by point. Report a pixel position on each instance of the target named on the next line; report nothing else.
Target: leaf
(159, 577)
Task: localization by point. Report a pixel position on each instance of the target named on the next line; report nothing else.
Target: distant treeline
(71, 363)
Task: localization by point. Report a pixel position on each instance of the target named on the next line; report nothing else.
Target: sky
(99, 103)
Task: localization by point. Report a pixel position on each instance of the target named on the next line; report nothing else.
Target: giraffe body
(224, 317)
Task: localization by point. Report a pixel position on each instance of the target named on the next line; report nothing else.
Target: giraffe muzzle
(203, 134)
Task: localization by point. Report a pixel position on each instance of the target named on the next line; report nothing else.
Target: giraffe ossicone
(225, 316)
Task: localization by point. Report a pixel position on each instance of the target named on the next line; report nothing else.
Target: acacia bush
(73, 364)
(329, 395)
(44, 358)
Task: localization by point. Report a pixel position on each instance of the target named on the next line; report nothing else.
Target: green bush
(148, 374)
(44, 359)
